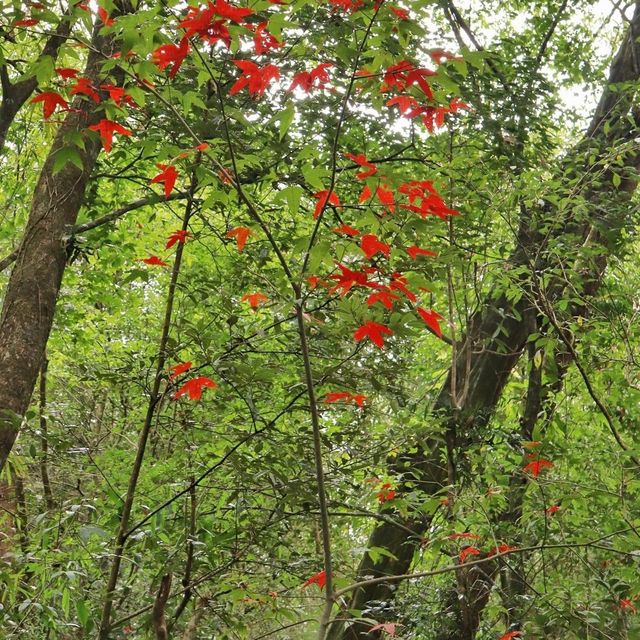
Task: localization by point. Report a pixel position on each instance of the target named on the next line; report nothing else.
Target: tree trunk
(30, 296)
(497, 334)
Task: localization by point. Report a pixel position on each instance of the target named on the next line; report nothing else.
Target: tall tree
(26, 318)
(496, 337)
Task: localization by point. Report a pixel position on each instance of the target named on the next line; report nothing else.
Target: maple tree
(382, 242)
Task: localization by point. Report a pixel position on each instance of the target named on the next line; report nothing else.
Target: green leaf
(83, 612)
(43, 69)
(65, 155)
(286, 118)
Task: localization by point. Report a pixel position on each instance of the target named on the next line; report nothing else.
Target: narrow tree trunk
(497, 335)
(143, 437)
(21, 511)
(157, 616)
(44, 437)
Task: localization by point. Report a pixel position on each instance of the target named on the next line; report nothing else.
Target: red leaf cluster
(345, 396)
(317, 78)
(535, 467)
(193, 388)
(256, 79)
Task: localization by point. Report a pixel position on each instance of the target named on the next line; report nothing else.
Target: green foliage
(227, 498)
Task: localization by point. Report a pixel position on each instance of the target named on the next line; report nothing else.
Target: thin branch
(470, 563)
(109, 217)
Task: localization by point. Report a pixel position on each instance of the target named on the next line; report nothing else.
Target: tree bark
(44, 437)
(497, 333)
(157, 616)
(30, 296)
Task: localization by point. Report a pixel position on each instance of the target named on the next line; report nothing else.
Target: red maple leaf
(503, 548)
(417, 76)
(106, 129)
(317, 78)
(386, 493)
(386, 298)
(510, 635)
(226, 10)
(26, 22)
(168, 175)
(371, 246)
(154, 261)
(431, 319)
(417, 189)
(374, 331)
(66, 73)
(338, 396)
(254, 299)
(359, 399)
(456, 104)
(115, 93)
(432, 205)
(347, 5)
(177, 236)
(263, 40)
(346, 230)
(50, 100)
(438, 56)
(361, 160)
(324, 197)
(387, 627)
(348, 278)
(240, 234)
(433, 117)
(468, 551)
(255, 78)
(626, 604)
(403, 14)
(408, 106)
(385, 196)
(399, 283)
(395, 76)
(467, 535)
(104, 16)
(83, 86)
(198, 20)
(415, 251)
(536, 466)
(194, 388)
(171, 54)
(179, 369)
(365, 195)
(319, 578)
(203, 22)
